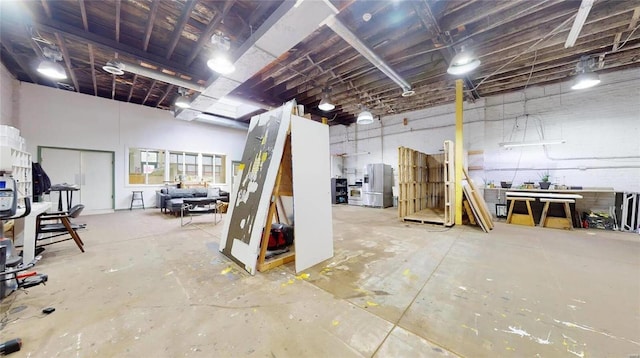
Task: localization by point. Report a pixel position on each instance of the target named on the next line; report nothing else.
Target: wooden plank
(467, 209)
(474, 208)
(482, 205)
(429, 215)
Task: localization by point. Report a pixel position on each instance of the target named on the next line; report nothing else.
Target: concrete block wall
(601, 127)
(8, 104)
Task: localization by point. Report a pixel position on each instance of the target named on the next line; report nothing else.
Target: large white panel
(311, 192)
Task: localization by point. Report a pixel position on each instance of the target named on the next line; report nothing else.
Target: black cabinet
(339, 191)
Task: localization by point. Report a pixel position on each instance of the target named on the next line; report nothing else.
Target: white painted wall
(8, 86)
(601, 127)
(59, 118)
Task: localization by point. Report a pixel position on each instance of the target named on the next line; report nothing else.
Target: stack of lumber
(477, 205)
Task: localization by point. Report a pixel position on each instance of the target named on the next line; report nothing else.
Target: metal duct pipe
(339, 28)
(219, 121)
(142, 71)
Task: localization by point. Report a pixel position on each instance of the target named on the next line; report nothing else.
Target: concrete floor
(147, 287)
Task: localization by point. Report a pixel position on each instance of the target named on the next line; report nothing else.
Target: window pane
(146, 166)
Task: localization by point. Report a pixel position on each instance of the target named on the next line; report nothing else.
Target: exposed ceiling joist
(182, 21)
(150, 22)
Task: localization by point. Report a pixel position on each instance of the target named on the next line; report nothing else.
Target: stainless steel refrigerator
(376, 186)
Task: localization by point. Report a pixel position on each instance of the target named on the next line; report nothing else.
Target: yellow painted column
(458, 153)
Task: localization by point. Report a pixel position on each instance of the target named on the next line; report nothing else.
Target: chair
(58, 224)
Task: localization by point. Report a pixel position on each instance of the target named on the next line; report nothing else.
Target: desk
(198, 206)
(29, 238)
(68, 189)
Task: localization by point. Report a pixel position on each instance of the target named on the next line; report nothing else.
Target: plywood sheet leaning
(482, 207)
(474, 208)
(310, 156)
(249, 205)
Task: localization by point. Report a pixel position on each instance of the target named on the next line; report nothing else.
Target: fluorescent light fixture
(586, 80)
(463, 62)
(52, 70)
(325, 103)
(529, 144)
(221, 64)
(365, 117)
(581, 17)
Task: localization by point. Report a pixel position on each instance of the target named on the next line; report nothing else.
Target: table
(543, 195)
(68, 189)
(29, 233)
(199, 206)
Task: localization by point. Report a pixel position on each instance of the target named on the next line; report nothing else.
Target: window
(213, 168)
(146, 166)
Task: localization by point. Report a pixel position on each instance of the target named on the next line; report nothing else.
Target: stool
(136, 195)
(557, 222)
(520, 219)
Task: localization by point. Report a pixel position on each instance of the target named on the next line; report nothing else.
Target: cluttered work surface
(595, 199)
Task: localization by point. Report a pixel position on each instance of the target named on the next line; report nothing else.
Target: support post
(458, 152)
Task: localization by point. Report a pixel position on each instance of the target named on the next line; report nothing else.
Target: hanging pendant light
(49, 67)
(325, 103)
(220, 61)
(463, 62)
(182, 101)
(365, 117)
(586, 78)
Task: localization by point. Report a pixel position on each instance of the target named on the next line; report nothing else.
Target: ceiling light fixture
(463, 62)
(325, 103)
(586, 78)
(182, 101)
(114, 67)
(220, 61)
(529, 144)
(581, 17)
(365, 117)
(49, 67)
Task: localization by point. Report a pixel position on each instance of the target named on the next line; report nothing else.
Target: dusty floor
(147, 287)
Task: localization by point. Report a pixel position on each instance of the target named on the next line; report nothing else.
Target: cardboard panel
(249, 204)
(311, 192)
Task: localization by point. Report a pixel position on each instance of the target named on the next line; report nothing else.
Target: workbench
(593, 198)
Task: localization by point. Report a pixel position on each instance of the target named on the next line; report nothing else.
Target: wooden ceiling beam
(18, 60)
(166, 93)
(182, 21)
(47, 9)
(146, 97)
(83, 14)
(150, 22)
(75, 34)
(481, 10)
(93, 69)
(133, 85)
(118, 6)
(67, 60)
(209, 31)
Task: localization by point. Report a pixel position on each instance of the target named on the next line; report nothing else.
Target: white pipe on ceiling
(339, 28)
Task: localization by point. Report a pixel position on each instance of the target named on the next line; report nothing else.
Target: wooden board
(481, 205)
(249, 205)
(313, 229)
(428, 215)
(474, 208)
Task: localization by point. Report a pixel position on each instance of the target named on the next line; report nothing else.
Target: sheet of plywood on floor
(313, 228)
(428, 215)
(474, 208)
(247, 213)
